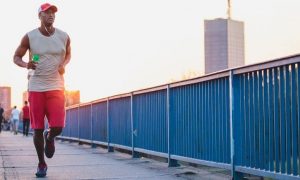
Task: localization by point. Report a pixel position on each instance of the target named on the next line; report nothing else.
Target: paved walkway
(72, 161)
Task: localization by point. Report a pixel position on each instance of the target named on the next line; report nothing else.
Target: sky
(119, 46)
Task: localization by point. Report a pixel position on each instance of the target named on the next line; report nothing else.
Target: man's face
(47, 17)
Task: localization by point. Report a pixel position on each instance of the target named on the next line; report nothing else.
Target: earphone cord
(47, 30)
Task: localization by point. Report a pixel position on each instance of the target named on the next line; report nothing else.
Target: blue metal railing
(200, 120)
(149, 121)
(120, 121)
(85, 122)
(267, 106)
(99, 121)
(244, 119)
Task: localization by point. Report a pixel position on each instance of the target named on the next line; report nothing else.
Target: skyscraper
(224, 44)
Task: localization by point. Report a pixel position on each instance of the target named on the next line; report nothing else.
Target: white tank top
(51, 51)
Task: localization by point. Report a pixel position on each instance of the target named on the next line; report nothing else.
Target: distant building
(72, 97)
(25, 96)
(5, 97)
(5, 100)
(224, 44)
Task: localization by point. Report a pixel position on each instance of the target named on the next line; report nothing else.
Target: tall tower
(224, 43)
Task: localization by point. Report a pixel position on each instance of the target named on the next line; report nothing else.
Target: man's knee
(38, 132)
(55, 131)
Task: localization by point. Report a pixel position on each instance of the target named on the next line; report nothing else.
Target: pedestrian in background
(1, 116)
(26, 118)
(15, 116)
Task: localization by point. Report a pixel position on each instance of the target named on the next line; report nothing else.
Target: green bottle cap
(35, 57)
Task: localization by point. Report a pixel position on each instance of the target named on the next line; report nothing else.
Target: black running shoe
(49, 145)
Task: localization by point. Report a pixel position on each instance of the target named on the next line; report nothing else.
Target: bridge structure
(18, 161)
(245, 120)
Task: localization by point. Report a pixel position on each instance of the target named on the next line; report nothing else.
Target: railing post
(171, 162)
(235, 175)
(68, 122)
(109, 148)
(134, 153)
(69, 126)
(78, 125)
(92, 139)
(65, 128)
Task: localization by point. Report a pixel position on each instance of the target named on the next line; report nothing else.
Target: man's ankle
(42, 163)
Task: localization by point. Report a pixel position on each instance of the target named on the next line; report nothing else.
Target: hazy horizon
(120, 46)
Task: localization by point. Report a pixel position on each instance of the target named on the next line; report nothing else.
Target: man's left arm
(61, 68)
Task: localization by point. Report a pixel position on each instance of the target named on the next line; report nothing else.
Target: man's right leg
(38, 140)
(37, 114)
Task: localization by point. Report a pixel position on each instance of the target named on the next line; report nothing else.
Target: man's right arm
(21, 51)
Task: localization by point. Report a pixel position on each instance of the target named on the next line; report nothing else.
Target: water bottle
(35, 58)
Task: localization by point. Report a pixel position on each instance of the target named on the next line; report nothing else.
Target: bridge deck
(72, 161)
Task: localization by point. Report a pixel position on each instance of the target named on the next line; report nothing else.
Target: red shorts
(48, 105)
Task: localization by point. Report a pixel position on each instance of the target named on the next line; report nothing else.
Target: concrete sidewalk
(18, 160)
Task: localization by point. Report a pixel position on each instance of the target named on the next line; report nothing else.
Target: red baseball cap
(46, 6)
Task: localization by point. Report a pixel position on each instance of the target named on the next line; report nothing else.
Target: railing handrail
(206, 77)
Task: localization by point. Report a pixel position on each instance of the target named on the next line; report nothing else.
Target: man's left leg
(37, 113)
(49, 136)
(55, 112)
